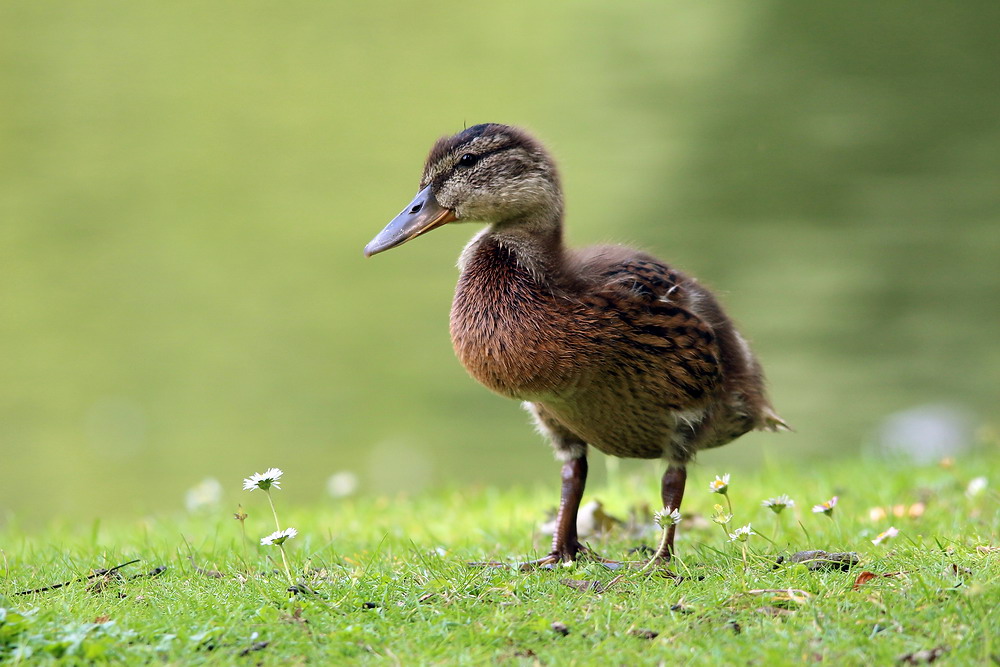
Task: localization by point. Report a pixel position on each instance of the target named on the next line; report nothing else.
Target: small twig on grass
(259, 646)
(155, 572)
(96, 573)
(776, 591)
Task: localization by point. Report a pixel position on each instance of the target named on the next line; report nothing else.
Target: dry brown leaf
(214, 574)
(921, 657)
(863, 579)
(579, 584)
(867, 576)
(585, 585)
(790, 594)
(644, 633)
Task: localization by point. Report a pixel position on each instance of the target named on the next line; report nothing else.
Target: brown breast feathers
(617, 359)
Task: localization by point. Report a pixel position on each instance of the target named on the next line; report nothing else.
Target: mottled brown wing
(654, 305)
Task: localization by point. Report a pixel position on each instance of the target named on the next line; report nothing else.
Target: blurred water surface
(185, 190)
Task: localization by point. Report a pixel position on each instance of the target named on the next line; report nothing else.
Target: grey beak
(419, 217)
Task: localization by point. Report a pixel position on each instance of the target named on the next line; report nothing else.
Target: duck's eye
(467, 160)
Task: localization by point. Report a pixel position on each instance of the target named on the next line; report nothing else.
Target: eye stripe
(447, 173)
(479, 157)
(443, 161)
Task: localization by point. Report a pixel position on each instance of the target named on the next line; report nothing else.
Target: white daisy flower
(976, 486)
(741, 534)
(778, 503)
(263, 480)
(827, 507)
(278, 537)
(885, 535)
(667, 517)
(719, 484)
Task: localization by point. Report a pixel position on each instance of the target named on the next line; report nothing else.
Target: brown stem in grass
(97, 573)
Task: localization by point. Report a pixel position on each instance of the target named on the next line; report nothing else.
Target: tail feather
(772, 422)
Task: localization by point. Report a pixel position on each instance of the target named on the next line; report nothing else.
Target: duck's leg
(565, 542)
(572, 451)
(672, 492)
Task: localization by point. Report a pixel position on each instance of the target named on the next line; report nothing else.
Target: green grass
(185, 192)
(391, 583)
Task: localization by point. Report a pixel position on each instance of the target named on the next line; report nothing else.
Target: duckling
(606, 346)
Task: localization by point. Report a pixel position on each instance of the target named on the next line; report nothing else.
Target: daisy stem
(284, 560)
(277, 524)
(729, 502)
(659, 549)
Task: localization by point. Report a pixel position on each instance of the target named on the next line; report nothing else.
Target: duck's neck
(506, 312)
(535, 244)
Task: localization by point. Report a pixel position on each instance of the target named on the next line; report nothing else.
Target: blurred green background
(185, 190)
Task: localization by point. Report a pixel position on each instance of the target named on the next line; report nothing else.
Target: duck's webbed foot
(566, 546)
(550, 561)
(555, 558)
(567, 553)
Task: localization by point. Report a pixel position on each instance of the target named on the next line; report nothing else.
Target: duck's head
(491, 173)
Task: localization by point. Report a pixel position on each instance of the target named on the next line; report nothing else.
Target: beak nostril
(417, 208)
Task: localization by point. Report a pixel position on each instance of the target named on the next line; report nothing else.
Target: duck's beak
(421, 215)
